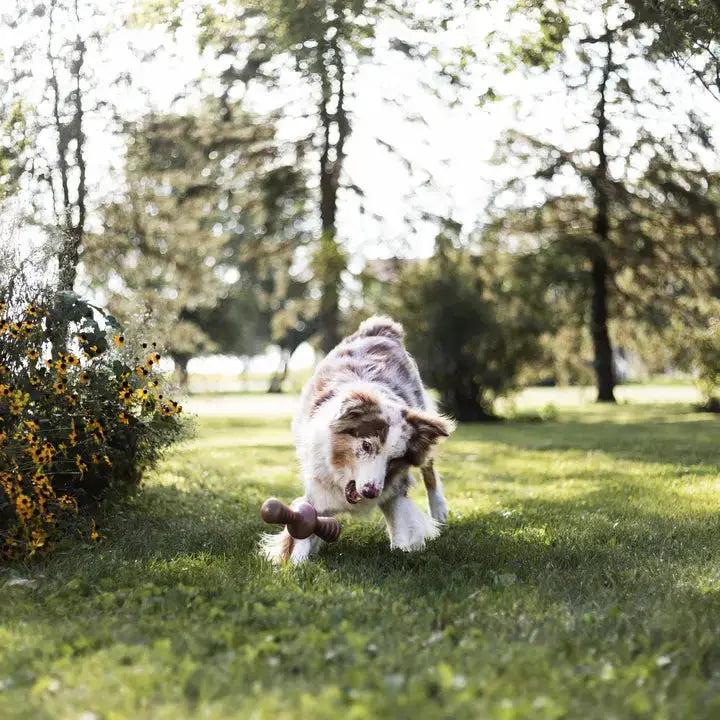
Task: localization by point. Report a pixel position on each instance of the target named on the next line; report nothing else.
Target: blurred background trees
(226, 214)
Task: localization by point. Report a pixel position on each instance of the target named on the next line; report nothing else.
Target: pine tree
(608, 238)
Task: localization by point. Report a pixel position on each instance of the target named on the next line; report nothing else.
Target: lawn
(579, 577)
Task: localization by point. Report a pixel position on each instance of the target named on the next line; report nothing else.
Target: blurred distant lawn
(579, 577)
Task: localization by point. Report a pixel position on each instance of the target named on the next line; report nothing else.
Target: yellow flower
(84, 378)
(19, 402)
(23, 506)
(5, 390)
(32, 354)
(107, 460)
(119, 340)
(73, 436)
(34, 380)
(141, 371)
(72, 359)
(81, 466)
(59, 387)
(32, 425)
(32, 311)
(124, 418)
(3, 326)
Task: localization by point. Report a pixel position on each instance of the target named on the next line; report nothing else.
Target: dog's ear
(360, 415)
(427, 428)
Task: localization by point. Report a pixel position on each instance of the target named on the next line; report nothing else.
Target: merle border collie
(364, 420)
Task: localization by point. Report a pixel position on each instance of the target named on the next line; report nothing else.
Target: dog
(364, 420)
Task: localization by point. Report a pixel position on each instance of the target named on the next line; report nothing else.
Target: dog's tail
(379, 325)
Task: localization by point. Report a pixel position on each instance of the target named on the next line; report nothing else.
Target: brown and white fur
(363, 421)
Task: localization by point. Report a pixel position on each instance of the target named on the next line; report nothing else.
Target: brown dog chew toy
(300, 523)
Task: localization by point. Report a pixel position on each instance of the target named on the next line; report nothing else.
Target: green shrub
(83, 413)
(472, 324)
(706, 345)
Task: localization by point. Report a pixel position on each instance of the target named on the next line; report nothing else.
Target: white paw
(437, 506)
(303, 549)
(412, 533)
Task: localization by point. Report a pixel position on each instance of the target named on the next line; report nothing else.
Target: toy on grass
(301, 522)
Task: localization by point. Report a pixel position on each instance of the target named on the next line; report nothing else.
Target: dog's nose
(370, 491)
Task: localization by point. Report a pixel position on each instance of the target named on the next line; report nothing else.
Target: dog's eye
(366, 446)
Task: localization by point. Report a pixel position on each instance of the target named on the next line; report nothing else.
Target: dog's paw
(437, 505)
(303, 549)
(413, 536)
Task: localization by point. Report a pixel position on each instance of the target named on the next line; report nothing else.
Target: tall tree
(61, 96)
(316, 46)
(632, 155)
(182, 246)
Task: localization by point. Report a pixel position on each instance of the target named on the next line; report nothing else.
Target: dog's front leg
(408, 526)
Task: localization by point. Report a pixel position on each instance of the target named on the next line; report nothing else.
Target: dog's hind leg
(437, 505)
(282, 547)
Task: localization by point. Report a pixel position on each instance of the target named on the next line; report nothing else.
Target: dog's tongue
(351, 493)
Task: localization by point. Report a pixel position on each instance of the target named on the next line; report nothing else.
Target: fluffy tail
(382, 326)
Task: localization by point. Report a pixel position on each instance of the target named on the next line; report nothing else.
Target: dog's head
(374, 438)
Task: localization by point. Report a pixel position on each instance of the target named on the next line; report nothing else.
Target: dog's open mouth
(351, 493)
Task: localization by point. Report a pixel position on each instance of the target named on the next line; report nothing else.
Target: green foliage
(203, 243)
(707, 356)
(577, 578)
(14, 146)
(471, 325)
(82, 413)
(687, 31)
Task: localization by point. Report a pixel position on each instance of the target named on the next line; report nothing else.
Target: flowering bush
(82, 413)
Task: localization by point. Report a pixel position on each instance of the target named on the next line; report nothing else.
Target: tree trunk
(72, 218)
(605, 376)
(280, 375)
(599, 328)
(181, 361)
(330, 261)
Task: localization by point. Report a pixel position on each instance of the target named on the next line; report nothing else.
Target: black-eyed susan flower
(59, 387)
(24, 506)
(32, 354)
(119, 340)
(141, 371)
(34, 380)
(32, 311)
(84, 377)
(124, 418)
(81, 464)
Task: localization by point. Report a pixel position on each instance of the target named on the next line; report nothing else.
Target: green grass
(579, 577)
